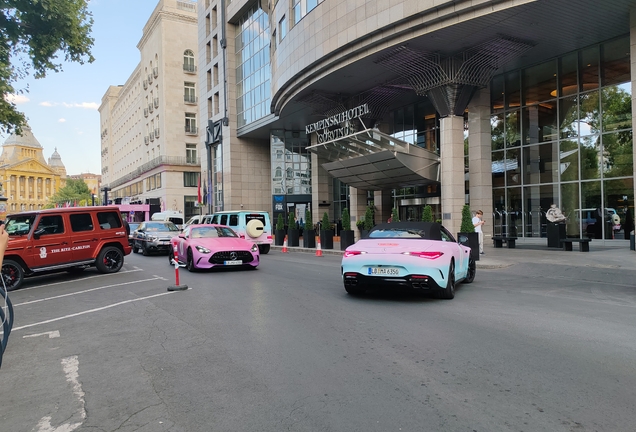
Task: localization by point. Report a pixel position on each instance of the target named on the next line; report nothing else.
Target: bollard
(175, 261)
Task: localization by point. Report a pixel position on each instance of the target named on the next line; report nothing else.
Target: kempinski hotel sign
(321, 127)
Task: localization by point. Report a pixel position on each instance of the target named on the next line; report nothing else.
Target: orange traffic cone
(318, 249)
(284, 246)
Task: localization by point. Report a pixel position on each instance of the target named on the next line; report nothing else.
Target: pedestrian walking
(478, 222)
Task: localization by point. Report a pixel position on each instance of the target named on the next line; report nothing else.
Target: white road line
(82, 292)
(91, 311)
(71, 370)
(51, 335)
(80, 279)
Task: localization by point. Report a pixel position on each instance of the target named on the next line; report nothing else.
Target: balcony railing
(155, 72)
(156, 102)
(156, 132)
(158, 161)
(145, 112)
(189, 68)
(191, 130)
(190, 99)
(150, 108)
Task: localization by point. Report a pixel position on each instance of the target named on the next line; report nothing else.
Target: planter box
(326, 239)
(472, 241)
(309, 239)
(279, 237)
(346, 239)
(364, 233)
(293, 237)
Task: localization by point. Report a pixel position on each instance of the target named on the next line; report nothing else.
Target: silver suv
(154, 237)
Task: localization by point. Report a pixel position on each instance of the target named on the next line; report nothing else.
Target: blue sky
(62, 108)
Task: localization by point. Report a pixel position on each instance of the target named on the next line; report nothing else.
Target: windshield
(212, 232)
(161, 226)
(398, 233)
(19, 225)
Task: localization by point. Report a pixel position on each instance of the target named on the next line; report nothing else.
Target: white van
(170, 215)
(251, 225)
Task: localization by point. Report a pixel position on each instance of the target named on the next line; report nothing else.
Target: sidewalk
(532, 250)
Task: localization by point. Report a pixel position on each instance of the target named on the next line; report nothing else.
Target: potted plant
(427, 214)
(279, 236)
(346, 235)
(293, 233)
(368, 222)
(467, 235)
(326, 233)
(395, 217)
(309, 236)
(360, 225)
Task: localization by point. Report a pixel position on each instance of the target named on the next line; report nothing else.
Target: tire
(449, 292)
(254, 228)
(190, 262)
(263, 249)
(472, 270)
(109, 260)
(12, 274)
(135, 249)
(144, 251)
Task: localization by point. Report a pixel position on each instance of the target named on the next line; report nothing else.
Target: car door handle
(64, 243)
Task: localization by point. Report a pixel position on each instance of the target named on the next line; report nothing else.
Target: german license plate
(164, 242)
(238, 262)
(384, 271)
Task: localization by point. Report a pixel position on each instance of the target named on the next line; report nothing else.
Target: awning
(372, 160)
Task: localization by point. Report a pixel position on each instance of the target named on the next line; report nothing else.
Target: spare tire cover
(254, 228)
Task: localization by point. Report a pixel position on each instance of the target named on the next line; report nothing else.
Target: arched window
(188, 61)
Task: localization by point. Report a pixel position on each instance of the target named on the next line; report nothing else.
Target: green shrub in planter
(467, 220)
(346, 220)
(395, 217)
(427, 214)
(293, 233)
(467, 235)
(360, 224)
(309, 235)
(279, 235)
(326, 224)
(309, 225)
(326, 233)
(346, 235)
(280, 223)
(368, 219)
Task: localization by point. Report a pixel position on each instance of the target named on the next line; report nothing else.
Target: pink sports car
(208, 246)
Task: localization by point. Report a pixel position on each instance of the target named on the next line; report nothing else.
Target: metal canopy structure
(372, 160)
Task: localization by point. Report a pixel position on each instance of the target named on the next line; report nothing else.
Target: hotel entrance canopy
(372, 160)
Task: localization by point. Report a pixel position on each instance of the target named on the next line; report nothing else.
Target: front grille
(220, 257)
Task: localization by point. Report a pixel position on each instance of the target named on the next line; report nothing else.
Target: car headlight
(151, 238)
(202, 250)
(254, 248)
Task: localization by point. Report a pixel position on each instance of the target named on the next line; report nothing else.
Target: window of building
(191, 123)
(282, 28)
(189, 92)
(191, 179)
(300, 8)
(191, 153)
(188, 61)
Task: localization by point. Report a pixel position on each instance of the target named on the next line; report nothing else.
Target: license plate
(164, 242)
(239, 262)
(384, 271)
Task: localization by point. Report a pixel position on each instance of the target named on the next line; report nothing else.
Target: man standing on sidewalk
(478, 222)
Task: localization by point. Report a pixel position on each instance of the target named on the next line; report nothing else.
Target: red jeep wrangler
(70, 239)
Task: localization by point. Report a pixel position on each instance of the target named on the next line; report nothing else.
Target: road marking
(80, 279)
(82, 292)
(71, 370)
(91, 311)
(51, 334)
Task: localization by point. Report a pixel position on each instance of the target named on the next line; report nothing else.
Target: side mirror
(462, 239)
(182, 236)
(38, 233)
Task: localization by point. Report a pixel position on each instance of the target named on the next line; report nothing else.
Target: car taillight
(352, 253)
(429, 255)
(269, 237)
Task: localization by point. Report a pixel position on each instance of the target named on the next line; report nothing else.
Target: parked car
(133, 226)
(208, 246)
(72, 239)
(421, 256)
(169, 216)
(252, 225)
(154, 237)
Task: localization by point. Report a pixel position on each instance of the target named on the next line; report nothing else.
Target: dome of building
(56, 160)
(27, 138)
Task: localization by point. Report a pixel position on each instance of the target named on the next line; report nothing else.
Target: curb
(307, 250)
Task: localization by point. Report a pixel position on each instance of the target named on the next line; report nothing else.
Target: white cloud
(46, 104)
(62, 120)
(83, 105)
(16, 99)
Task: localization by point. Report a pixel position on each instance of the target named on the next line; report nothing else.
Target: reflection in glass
(514, 217)
(513, 94)
(588, 68)
(570, 208)
(618, 154)
(497, 93)
(569, 160)
(568, 117)
(539, 82)
(589, 117)
(568, 75)
(616, 103)
(498, 168)
(538, 200)
(619, 196)
(591, 203)
(499, 206)
(540, 163)
(513, 129)
(540, 123)
(615, 62)
(590, 157)
(512, 167)
(497, 131)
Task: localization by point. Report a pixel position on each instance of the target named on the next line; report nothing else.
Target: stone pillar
(480, 159)
(632, 45)
(358, 202)
(322, 189)
(383, 202)
(452, 171)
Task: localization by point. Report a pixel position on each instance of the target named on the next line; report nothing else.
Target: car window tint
(19, 225)
(215, 219)
(176, 220)
(397, 233)
(51, 224)
(81, 222)
(109, 220)
(224, 220)
(233, 220)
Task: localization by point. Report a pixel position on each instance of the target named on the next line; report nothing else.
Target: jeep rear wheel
(109, 260)
(12, 274)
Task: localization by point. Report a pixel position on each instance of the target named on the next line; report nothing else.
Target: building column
(632, 45)
(383, 202)
(480, 159)
(452, 171)
(322, 190)
(358, 202)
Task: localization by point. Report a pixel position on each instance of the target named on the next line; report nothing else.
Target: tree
(467, 220)
(75, 190)
(34, 34)
(427, 214)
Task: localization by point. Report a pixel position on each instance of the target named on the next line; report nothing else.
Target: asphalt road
(529, 347)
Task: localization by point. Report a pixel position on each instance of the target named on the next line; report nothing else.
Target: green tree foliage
(346, 220)
(291, 220)
(326, 224)
(280, 223)
(34, 33)
(395, 217)
(75, 190)
(309, 224)
(368, 219)
(467, 220)
(427, 214)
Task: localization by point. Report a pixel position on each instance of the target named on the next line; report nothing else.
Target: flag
(205, 193)
(199, 199)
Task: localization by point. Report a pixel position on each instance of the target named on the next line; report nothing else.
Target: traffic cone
(318, 249)
(284, 246)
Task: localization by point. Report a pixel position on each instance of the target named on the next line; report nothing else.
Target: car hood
(161, 234)
(225, 243)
